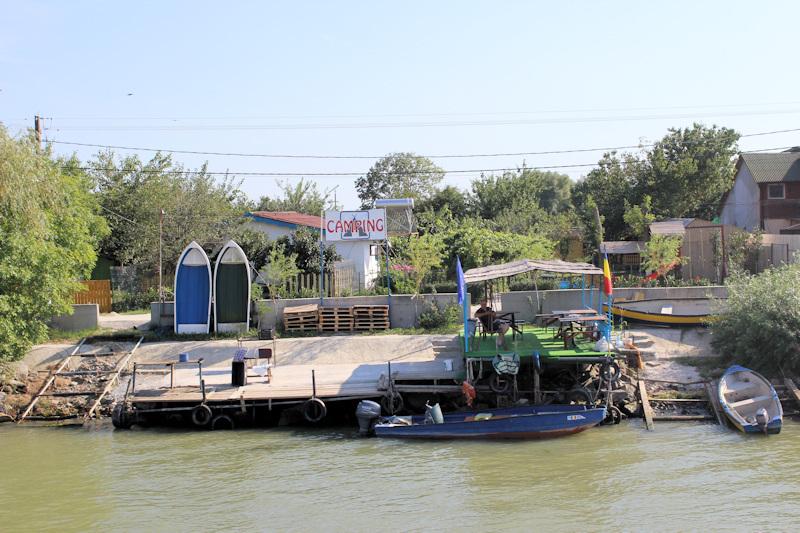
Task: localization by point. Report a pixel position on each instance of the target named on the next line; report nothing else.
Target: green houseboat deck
(534, 339)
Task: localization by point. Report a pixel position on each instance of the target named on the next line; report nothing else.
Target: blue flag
(461, 285)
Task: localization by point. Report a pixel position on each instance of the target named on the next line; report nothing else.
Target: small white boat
(750, 401)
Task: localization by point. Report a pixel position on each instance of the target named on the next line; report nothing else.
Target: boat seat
(749, 401)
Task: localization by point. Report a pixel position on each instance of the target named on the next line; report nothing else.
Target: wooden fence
(340, 282)
(96, 292)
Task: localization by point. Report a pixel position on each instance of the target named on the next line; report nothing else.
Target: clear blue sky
(263, 77)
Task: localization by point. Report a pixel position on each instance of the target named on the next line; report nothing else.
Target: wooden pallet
(371, 311)
(302, 327)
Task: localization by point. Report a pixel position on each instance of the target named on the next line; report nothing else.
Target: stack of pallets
(371, 317)
(334, 319)
(301, 318)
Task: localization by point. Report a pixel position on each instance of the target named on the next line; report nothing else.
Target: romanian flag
(607, 288)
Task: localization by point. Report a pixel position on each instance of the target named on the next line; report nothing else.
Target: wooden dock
(294, 382)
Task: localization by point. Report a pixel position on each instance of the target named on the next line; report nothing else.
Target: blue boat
(525, 422)
(749, 401)
(193, 291)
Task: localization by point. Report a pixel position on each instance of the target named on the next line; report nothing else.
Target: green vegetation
(662, 254)
(434, 316)
(399, 175)
(761, 320)
(49, 231)
(684, 174)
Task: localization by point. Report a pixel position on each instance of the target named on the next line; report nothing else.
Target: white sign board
(366, 225)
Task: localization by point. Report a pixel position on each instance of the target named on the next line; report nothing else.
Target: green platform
(534, 339)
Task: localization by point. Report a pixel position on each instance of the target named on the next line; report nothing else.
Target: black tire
(500, 384)
(613, 415)
(610, 372)
(579, 396)
(314, 410)
(120, 417)
(392, 403)
(222, 422)
(201, 415)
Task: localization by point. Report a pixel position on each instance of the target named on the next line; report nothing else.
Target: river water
(681, 477)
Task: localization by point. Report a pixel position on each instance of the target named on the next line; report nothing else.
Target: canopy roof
(474, 275)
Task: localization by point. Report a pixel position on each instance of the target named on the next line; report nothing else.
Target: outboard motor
(367, 413)
(762, 419)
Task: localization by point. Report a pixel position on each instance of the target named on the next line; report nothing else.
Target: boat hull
(741, 391)
(231, 290)
(192, 312)
(540, 422)
(638, 311)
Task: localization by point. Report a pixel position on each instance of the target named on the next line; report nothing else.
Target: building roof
(773, 168)
(622, 247)
(474, 275)
(670, 226)
(289, 217)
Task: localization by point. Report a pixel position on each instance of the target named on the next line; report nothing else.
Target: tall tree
(303, 197)
(49, 229)
(399, 175)
(196, 205)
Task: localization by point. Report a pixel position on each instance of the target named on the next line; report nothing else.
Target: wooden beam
(682, 418)
(50, 381)
(713, 399)
(646, 408)
(793, 390)
(122, 365)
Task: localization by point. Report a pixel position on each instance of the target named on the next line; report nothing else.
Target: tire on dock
(222, 422)
(392, 403)
(314, 410)
(121, 418)
(201, 415)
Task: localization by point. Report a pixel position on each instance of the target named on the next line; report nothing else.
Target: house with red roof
(361, 254)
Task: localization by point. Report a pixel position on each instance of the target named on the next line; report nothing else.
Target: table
(513, 323)
(574, 325)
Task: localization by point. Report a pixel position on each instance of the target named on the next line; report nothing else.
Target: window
(776, 191)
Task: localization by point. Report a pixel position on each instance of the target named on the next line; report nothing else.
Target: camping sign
(365, 225)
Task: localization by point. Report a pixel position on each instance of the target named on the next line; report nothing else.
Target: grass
(143, 311)
(60, 335)
(709, 366)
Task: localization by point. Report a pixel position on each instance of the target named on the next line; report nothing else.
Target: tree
(197, 207)
(758, 324)
(281, 266)
(424, 254)
(662, 254)
(303, 197)
(451, 198)
(49, 230)
(639, 217)
(399, 175)
(303, 244)
(685, 174)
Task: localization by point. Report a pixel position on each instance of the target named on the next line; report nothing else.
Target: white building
(361, 254)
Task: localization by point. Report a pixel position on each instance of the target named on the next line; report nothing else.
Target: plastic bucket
(183, 358)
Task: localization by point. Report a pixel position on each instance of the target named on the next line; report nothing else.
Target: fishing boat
(192, 291)
(750, 401)
(664, 312)
(524, 422)
(231, 290)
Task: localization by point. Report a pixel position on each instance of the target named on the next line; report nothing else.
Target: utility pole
(38, 126)
(160, 238)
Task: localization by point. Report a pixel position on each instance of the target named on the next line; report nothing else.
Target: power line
(440, 156)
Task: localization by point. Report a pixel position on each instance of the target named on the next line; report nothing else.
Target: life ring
(314, 410)
(201, 415)
(120, 417)
(222, 422)
(392, 403)
(500, 384)
(610, 372)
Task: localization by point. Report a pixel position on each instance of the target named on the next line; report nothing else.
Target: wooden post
(793, 391)
(646, 408)
(713, 399)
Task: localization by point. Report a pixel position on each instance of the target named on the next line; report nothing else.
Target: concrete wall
(84, 316)
(525, 302)
(403, 312)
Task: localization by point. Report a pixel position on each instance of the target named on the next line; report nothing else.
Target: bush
(760, 325)
(435, 317)
(122, 301)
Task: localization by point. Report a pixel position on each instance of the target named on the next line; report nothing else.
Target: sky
(370, 78)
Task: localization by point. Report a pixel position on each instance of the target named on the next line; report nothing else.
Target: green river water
(680, 477)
